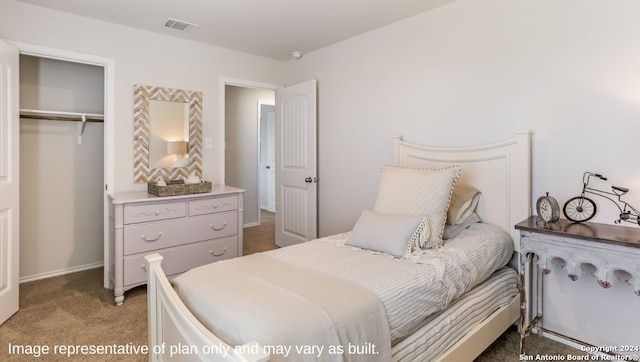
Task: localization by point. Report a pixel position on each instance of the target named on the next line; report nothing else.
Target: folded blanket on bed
(296, 313)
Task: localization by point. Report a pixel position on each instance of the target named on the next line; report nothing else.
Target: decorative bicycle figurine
(582, 208)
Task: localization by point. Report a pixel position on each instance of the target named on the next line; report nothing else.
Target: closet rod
(61, 116)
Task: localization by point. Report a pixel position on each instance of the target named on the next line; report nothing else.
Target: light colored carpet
(75, 310)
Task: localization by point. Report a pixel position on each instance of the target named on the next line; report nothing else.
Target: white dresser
(187, 230)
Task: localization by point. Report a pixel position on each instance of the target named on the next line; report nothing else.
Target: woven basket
(178, 187)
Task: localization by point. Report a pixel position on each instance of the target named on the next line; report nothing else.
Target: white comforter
(410, 289)
(295, 313)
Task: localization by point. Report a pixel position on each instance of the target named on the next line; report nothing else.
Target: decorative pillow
(463, 202)
(418, 192)
(451, 231)
(383, 233)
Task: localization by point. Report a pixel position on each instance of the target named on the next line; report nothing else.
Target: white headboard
(501, 171)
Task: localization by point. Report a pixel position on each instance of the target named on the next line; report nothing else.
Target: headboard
(501, 171)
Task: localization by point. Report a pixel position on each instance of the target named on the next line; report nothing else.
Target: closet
(61, 167)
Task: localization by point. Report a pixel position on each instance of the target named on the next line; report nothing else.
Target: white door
(296, 176)
(271, 162)
(9, 190)
(267, 170)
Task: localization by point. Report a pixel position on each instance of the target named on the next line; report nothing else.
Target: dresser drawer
(180, 259)
(213, 204)
(154, 212)
(153, 236)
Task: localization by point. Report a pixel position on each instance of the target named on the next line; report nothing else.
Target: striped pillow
(464, 200)
(418, 192)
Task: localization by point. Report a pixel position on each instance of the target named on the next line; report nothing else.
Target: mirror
(167, 122)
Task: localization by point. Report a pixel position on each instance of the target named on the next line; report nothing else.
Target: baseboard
(251, 224)
(59, 272)
(557, 338)
(581, 347)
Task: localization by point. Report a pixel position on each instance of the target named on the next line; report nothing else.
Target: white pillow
(463, 203)
(384, 233)
(418, 192)
(451, 231)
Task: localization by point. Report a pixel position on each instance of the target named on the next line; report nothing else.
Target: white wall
(478, 71)
(141, 58)
(472, 72)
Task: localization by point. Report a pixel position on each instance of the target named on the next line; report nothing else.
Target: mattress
(443, 330)
(410, 289)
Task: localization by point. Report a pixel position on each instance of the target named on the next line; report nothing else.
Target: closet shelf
(61, 116)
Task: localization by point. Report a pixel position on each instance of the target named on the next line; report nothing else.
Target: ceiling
(269, 28)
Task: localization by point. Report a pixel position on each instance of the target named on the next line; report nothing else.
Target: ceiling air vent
(181, 25)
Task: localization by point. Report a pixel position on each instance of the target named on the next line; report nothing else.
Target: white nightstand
(611, 253)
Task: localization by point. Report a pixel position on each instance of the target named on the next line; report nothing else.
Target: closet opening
(62, 166)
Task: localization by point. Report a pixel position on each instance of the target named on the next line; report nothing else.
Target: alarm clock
(548, 209)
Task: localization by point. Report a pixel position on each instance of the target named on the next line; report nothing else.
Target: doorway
(246, 109)
(84, 135)
(61, 167)
(249, 124)
(296, 149)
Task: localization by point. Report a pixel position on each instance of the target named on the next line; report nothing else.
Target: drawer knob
(157, 212)
(143, 267)
(143, 237)
(216, 228)
(218, 254)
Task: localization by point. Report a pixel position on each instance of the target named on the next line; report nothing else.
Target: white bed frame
(500, 170)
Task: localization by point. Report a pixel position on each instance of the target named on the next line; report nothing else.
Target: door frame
(222, 149)
(109, 125)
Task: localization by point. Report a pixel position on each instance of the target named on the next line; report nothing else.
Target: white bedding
(240, 302)
(442, 330)
(410, 289)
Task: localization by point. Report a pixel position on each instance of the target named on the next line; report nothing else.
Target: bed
(358, 310)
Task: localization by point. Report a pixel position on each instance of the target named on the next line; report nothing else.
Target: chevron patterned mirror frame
(142, 172)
